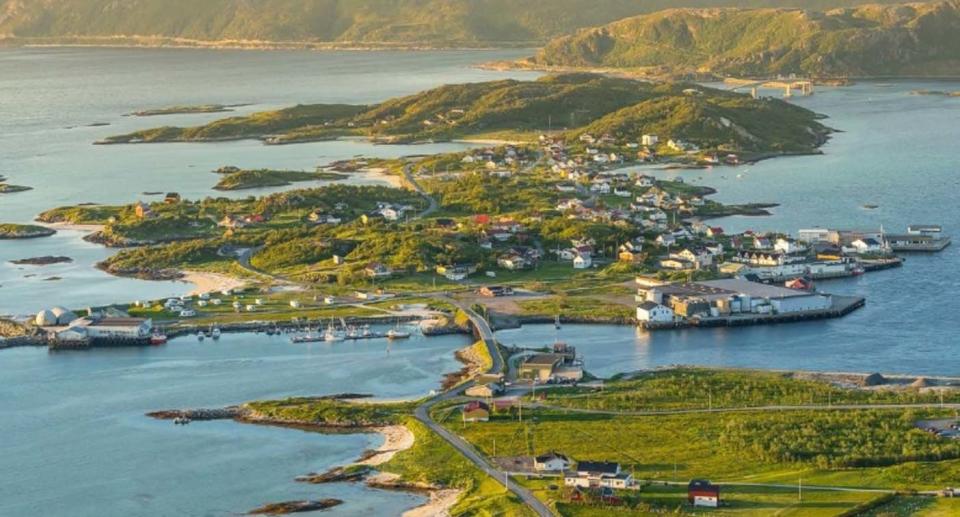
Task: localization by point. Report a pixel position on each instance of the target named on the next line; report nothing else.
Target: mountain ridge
(323, 23)
(915, 39)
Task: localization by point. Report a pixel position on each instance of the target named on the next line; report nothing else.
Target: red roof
(481, 219)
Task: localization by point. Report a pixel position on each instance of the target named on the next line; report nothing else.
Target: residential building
(476, 411)
(701, 492)
(582, 261)
(598, 474)
(652, 312)
(551, 462)
(377, 270)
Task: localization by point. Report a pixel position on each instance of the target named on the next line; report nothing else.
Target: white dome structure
(45, 318)
(63, 316)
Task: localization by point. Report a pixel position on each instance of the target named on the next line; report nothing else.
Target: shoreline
(205, 282)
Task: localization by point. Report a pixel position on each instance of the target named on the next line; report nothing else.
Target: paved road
(422, 413)
(243, 258)
(408, 176)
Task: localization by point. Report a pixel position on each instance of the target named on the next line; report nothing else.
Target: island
(237, 179)
(708, 119)
(42, 261)
(6, 188)
(184, 110)
(24, 231)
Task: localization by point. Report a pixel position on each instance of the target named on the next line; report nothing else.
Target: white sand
(210, 282)
(88, 228)
(438, 506)
(398, 438)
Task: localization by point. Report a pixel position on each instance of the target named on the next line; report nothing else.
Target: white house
(589, 474)
(582, 261)
(789, 246)
(649, 140)
(864, 246)
(645, 181)
(654, 312)
(551, 462)
(666, 239)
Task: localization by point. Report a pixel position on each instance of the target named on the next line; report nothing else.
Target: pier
(842, 305)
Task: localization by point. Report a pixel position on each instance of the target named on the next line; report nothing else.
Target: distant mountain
(583, 103)
(920, 39)
(431, 23)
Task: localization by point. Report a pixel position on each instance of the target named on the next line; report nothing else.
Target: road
(408, 176)
(422, 413)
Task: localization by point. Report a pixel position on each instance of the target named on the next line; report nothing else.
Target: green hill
(577, 103)
(435, 23)
(868, 41)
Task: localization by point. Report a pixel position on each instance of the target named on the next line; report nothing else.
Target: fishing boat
(396, 333)
(332, 335)
(215, 332)
(158, 338)
(201, 336)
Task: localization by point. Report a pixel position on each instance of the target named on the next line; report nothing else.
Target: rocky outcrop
(42, 261)
(227, 413)
(288, 507)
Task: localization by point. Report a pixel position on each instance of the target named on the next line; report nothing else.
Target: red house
(701, 492)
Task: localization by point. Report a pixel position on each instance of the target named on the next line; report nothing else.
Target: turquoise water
(75, 441)
(49, 98)
(895, 150)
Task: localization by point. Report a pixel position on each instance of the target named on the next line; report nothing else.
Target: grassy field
(433, 461)
(698, 388)
(579, 307)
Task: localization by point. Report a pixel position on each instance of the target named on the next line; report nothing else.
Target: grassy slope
(433, 461)
(581, 102)
(426, 22)
(920, 39)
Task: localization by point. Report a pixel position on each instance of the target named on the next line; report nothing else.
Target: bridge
(805, 86)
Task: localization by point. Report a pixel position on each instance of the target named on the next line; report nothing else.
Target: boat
(397, 334)
(158, 339)
(215, 333)
(201, 336)
(871, 206)
(331, 335)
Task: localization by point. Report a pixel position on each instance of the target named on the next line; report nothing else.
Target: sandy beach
(397, 438)
(87, 228)
(210, 282)
(438, 506)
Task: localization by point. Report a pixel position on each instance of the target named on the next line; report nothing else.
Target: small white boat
(397, 334)
(201, 336)
(215, 333)
(332, 336)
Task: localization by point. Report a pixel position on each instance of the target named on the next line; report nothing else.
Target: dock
(842, 305)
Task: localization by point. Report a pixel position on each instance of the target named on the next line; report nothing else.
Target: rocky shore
(288, 507)
(24, 231)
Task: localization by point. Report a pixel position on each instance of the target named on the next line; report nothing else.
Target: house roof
(551, 456)
(543, 360)
(603, 467)
(475, 405)
(649, 306)
(117, 322)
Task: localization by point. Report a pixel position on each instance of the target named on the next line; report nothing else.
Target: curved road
(422, 413)
(408, 176)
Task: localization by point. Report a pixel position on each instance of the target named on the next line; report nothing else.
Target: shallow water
(76, 441)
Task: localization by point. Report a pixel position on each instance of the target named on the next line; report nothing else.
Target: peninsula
(238, 179)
